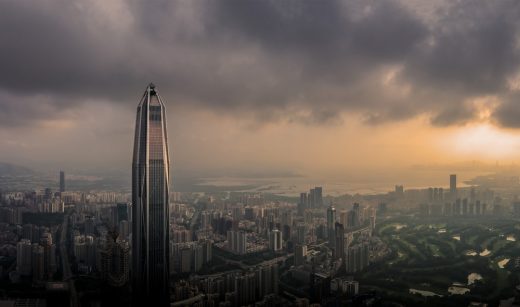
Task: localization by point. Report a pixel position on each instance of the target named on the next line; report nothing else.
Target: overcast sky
(274, 86)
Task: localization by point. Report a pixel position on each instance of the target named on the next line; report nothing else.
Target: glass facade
(150, 191)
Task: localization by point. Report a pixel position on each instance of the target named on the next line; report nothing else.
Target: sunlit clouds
(299, 86)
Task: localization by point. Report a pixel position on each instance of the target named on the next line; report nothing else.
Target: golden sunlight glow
(486, 141)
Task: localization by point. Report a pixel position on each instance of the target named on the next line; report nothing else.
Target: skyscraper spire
(150, 212)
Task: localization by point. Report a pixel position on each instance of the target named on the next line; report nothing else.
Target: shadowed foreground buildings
(150, 187)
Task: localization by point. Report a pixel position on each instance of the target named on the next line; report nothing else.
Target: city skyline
(245, 100)
(306, 153)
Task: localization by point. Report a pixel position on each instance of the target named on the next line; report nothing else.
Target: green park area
(446, 261)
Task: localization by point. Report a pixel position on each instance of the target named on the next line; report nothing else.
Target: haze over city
(260, 153)
(335, 88)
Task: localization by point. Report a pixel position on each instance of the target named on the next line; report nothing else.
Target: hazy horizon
(433, 86)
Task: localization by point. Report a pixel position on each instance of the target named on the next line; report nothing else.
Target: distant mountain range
(8, 169)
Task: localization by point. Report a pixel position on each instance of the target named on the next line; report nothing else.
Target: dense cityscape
(167, 248)
(260, 153)
(73, 248)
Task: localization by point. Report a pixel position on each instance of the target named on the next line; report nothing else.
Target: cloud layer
(308, 62)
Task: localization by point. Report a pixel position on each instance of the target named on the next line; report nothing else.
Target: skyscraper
(331, 221)
(275, 240)
(453, 186)
(150, 212)
(62, 181)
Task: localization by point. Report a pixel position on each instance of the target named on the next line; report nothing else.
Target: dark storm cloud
(472, 50)
(508, 113)
(452, 116)
(301, 61)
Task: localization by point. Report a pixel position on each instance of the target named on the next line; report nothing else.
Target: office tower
(300, 252)
(275, 240)
(150, 205)
(62, 181)
(453, 186)
(331, 220)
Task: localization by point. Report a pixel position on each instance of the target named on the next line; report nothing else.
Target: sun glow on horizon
(486, 141)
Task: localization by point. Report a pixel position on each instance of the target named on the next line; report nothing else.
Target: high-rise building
(312, 198)
(453, 186)
(275, 240)
(268, 279)
(237, 242)
(331, 221)
(357, 257)
(62, 181)
(150, 203)
(339, 243)
(315, 198)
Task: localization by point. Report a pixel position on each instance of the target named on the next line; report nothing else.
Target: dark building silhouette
(150, 212)
(453, 186)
